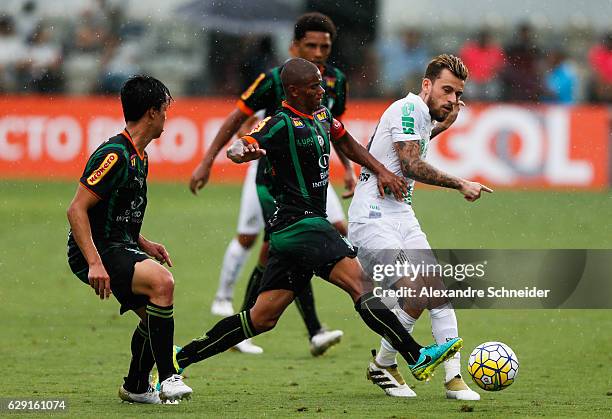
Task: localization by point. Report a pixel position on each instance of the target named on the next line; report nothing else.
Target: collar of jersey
(127, 135)
(295, 111)
(421, 104)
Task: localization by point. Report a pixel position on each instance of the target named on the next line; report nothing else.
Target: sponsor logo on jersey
(321, 140)
(103, 169)
(330, 82)
(324, 161)
(321, 116)
(298, 123)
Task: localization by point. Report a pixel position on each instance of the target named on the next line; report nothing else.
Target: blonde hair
(448, 61)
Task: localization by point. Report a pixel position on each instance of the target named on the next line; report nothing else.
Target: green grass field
(59, 341)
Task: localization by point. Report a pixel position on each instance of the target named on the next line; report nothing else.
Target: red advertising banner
(503, 145)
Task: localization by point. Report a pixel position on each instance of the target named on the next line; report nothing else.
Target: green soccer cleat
(155, 381)
(432, 356)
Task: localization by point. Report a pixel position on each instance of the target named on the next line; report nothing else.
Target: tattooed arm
(415, 168)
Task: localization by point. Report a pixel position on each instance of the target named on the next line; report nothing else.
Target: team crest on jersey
(298, 123)
(259, 126)
(103, 169)
(321, 116)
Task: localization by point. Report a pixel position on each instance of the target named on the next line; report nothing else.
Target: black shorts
(310, 246)
(119, 263)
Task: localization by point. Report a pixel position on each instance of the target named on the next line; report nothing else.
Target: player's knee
(163, 286)
(247, 240)
(262, 322)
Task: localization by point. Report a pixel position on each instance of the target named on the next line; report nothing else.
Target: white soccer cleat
(457, 389)
(389, 380)
(223, 308)
(248, 347)
(151, 396)
(173, 388)
(324, 340)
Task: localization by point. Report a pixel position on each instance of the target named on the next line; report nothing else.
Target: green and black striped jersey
(117, 175)
(297, 149)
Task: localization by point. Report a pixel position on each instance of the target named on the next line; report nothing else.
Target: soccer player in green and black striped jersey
(314, 34)
(107, 251)
(296, 141)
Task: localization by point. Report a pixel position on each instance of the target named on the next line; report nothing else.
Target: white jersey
(407, 119)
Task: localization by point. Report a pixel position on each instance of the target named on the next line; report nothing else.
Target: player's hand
(199, 177)
(350, 181)
(387, 181)
(240, 152)
(155, 250)
(472, 190)
(452, 116)
(99, 280)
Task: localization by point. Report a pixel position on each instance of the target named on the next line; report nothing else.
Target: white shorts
(335, 213)
(387, 241)
(250, 218)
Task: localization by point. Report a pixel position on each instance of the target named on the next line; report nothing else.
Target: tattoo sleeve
(415, 168)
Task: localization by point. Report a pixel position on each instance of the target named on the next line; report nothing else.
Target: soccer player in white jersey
(379, 227)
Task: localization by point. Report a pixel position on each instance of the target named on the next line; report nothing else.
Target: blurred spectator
(119, 61)
(484, 59)
(561, 79)
(12, 49)
(27, 20)
(90, 32)
(521, 74)
(403, 60)
(600, 59)
(40, 71)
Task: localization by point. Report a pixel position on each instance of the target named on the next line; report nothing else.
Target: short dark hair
(313, 22)
(448, 61)
(141, 93)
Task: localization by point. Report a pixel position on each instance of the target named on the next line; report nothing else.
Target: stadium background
(537, 128)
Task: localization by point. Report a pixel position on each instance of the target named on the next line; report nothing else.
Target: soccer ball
(493, 366)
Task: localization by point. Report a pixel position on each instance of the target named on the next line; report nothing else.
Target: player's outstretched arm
(243, 151)
(81, 231)
(230, 126)
(415, 168)
(358, 153)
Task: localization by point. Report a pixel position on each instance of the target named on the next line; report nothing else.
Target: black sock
(225, 334)
(252, 290)
(304, 301)
(380, 319)
(137, 380)
(161, 336)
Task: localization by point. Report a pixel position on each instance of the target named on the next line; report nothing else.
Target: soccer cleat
(248, 347)
(173, 388)
(324, 340)
(457, 389)
(222, 308)
(432, 356)
(388, 379)
(175, 350)
(151, 396)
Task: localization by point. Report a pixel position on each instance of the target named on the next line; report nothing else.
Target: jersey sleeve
(404, 122)
(336, 130)
(259, 95)
(266, 131)
(104, 172)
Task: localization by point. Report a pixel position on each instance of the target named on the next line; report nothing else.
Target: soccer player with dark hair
(296, 141)
(312, 40)
(107, 251)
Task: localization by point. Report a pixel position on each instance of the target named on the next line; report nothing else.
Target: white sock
(234, 259)
(387, 354)
(444, 327)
